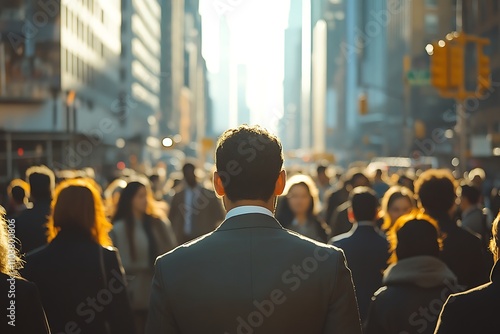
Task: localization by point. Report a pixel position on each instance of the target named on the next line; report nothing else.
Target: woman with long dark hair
(298, 209)
(141, 234)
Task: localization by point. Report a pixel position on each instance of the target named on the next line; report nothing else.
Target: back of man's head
(249, 160)
(435, 189)
(364, 204)
(470, 193)
(42, 182)
(18, 194)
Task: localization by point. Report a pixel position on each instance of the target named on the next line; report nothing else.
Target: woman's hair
(394, 193)
(10, 261)
(414, 234)
(495, 240)
(284, 213)
(77, 205)
(124, 210)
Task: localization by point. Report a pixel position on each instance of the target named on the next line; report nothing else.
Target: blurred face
(190, 177)
(299, 199)
(398, 208)
(140, 201)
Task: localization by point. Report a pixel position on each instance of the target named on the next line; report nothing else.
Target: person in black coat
(298, 209)
(462, 251)
(415, 285)
(81, 281)
(21, 308)
(30, 224)
(365, 247)
(475, 310)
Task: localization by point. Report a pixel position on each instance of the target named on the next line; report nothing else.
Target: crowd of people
(81, 255)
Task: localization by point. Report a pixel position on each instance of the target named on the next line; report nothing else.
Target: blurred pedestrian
(475, 310)
(31, 227)
(417, 282)
(112, 195)
(81, 280)
(195, 210)
(379, 184)
(473, 215)
(298, 209)
(18, 193)
(250, 274)
(322, 182)
(365, 246)
(396, 202)
(339, 221)
(22, 310)
(462, 251)
(141, 234)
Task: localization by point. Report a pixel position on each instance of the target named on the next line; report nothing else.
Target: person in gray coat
(251, 275)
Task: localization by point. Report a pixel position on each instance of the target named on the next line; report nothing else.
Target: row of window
(78, 68)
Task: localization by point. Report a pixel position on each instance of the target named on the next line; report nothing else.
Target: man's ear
(280, 183)
(219, 185)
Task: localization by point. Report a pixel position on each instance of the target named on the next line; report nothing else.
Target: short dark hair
(18, 194)
(364, 204)
(321, 169)
(435, 189)
(249, 160)
(471, 193)
(42, 182)
(188, 166)
(416, 237)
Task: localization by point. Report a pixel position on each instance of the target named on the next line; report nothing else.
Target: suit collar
(250, 220)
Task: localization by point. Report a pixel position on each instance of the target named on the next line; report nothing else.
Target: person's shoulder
(470, 296)
(307, 245)
(37, 253)
(185, 250)
(342, 239)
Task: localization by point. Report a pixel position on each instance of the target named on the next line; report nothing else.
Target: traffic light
(362, 104)
(457, 65)
(484, 73)
(439, 65)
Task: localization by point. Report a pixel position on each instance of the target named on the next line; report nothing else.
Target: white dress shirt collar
(246, 209)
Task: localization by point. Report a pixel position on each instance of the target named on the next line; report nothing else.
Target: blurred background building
(101, 83)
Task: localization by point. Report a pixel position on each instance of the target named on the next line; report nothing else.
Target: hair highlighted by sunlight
(77, 204)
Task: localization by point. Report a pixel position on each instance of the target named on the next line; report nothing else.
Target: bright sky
(256, 30)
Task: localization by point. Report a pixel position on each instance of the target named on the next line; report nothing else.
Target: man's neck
(229, 205)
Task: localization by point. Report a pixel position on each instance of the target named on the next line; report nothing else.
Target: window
(66, 60)
(431, 23)
(78, 68)
(431, 3)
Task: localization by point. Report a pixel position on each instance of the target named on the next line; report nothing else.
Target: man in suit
(194, 210)
(30, 224)
(365, 246)
(251, 275)
(462, 250)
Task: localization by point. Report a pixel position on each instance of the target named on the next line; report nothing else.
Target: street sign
(419, 77)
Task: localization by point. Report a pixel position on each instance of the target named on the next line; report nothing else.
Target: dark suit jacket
(207, 214)
(30, 226)
(462, 253)
(367, 251)
(26, 314)
(68, 273)
(252, 276)
(473, 311)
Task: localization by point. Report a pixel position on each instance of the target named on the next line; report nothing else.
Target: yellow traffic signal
(457, 59)
(484, 73)
(362, 104)
(439, 65)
